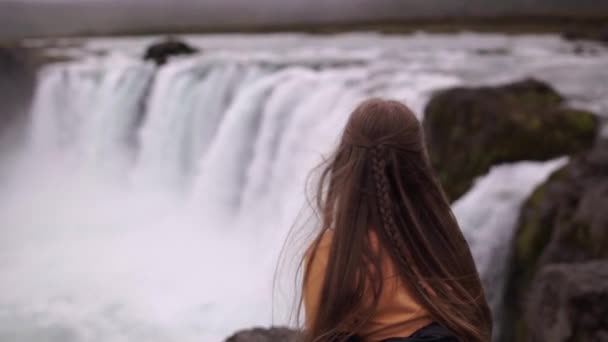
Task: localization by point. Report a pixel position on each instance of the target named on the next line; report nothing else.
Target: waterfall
(184, 111)
(487, 215)
(153, 201)
(90, 109)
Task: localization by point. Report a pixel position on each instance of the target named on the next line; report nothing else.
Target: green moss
(534, 234)
(532, 100)
(473, 129)
(534, 122)
(584, 123)
(527, 240)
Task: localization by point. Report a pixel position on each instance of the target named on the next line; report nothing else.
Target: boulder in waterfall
(470, 129)
(569, 302)
(563, 222)
(161, 51)
(275, 334)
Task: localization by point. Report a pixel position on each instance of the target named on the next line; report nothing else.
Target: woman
(390, 262)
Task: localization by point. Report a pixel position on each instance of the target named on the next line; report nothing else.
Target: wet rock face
(470, 129)
(569, 302)
(564, 222)
(17, 79)
(265, 335)
(160, 52)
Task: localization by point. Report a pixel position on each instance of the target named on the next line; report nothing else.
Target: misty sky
(19, 18)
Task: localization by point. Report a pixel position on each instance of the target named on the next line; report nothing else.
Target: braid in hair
(383, 198)
(382, 188)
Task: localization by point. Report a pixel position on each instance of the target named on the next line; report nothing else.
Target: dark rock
(265, 335)
(492, 51)
(17, 79)
(574, 35)
(585, 50)
(470, 129)
(160, 52)
(565, 220)
(596, 34)
(569, 302)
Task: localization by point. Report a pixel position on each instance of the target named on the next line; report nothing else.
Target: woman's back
(390, 256)
(397, 312)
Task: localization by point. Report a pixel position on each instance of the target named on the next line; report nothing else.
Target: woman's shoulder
(326, 238)
(320, 245)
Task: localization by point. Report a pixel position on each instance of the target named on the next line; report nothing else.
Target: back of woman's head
(380, 181)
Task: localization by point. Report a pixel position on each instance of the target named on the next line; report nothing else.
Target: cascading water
(90, 109)
(153, 201)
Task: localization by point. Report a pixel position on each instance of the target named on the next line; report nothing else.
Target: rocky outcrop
(556, 286)
(569, 302)
(160, 52)
(265, 335)
(564, 222)
(470, 129)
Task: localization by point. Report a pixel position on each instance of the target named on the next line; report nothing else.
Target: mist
(29, 18)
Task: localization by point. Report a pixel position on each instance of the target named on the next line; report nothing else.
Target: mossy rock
(470, 129)
(569, 303)
(564, 221)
